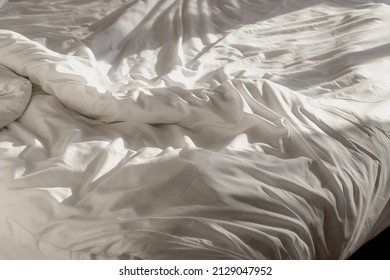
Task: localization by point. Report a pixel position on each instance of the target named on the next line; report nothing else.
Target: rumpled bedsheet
(15, 93)
(194, 129)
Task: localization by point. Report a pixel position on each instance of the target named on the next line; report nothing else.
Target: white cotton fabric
(195, 129)
(15, 92)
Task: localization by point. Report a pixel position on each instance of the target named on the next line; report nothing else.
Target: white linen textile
(15, 93)
(193, 129)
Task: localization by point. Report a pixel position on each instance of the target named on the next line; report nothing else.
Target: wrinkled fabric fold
(195, 129)
(15, 93)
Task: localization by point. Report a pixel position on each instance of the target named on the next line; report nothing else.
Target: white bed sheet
(195, 129)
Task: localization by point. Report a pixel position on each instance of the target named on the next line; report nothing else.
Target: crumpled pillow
(15, 93)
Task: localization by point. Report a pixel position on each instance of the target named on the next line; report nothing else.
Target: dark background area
(375, 249)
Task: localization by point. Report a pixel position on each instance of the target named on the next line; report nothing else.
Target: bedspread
(193, 129)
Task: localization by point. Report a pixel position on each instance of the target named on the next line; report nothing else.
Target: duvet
(193, 129)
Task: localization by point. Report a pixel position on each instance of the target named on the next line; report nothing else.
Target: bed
(193, 129)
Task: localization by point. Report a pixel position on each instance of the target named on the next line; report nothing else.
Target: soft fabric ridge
(193, 129)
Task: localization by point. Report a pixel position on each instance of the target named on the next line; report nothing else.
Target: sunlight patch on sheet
(58, 193)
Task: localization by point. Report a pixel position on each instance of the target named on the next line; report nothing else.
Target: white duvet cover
(193, 129)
